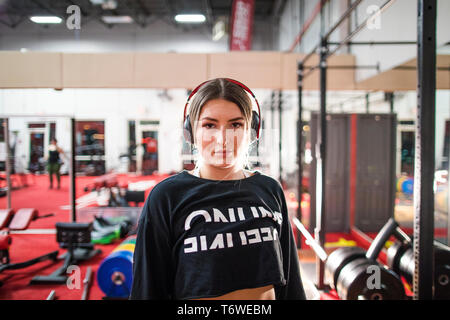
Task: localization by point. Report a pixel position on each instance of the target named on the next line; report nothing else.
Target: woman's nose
(223, 135)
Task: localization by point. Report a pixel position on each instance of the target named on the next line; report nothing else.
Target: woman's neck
(213, 173)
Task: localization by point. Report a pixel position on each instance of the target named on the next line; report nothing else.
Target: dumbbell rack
(346, 269)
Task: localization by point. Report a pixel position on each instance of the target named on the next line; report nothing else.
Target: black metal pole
(360, 27)
(448, 204)
(320, 230)
(332, 29)
(7, 162)
(73, 171)
(299, 147)
(272, 120)
(346, 14)
(424, 156)
(345, 67)
(390, 98)
(280, 134)
(367, 103)
(376, 43)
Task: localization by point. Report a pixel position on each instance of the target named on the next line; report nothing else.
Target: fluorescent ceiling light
(190, 18)
(117, 19)
(45, 19)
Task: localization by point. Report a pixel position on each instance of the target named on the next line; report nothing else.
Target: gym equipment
(114, 276)
(21, 219)
(106, 230)
(76, 237)
(119, 195)
(18, 181)
(354, 282)
(5, 217)
(87, 284)
(400, 182)
(350, 270)
(408, 186)
(342, 242)
(338, 259)
(51, 296)
(310, 240)
(405, 184)
(5, 242)
(400, 258)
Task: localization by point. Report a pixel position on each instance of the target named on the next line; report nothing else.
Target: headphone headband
(243, 86)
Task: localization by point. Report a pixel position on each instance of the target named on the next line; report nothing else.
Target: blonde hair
(221, 88)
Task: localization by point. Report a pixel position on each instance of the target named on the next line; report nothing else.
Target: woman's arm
(61, 151)
(293, 290)
(152, 262)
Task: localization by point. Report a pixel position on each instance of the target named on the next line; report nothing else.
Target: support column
(423, 279)
(7, 162)
(300, 70)
(72, 171)
(320, 230)
(280, 135)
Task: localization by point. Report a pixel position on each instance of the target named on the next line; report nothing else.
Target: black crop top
(201, 238)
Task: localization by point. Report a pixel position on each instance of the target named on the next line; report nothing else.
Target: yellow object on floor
(341, 243)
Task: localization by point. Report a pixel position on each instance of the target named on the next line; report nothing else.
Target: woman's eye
(237, 125)
(208, 125)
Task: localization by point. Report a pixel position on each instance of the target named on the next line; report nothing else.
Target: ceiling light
(45, 19)
(190, 18)
(106, 4)
(117, 19)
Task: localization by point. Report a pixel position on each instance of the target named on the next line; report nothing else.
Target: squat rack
(425, 127)
(72, 173)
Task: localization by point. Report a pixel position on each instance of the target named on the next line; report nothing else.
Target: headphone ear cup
(255, 124)
(187, 130)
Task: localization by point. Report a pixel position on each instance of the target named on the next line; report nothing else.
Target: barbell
(400, 258)
(356, 274)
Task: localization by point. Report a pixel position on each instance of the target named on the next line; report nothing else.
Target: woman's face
(221, 133)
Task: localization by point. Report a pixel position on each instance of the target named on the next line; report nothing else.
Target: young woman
(54, 162)
(219, 231)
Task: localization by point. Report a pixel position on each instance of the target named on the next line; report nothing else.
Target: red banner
(241, 25)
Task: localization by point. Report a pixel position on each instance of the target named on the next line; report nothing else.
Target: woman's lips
(223, 152)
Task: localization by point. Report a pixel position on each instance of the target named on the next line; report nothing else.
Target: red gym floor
(27, 246)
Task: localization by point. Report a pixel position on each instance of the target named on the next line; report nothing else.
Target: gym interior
(354, 100)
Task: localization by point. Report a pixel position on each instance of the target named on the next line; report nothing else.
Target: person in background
(54, 162)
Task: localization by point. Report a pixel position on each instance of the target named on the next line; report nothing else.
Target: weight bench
(5, 242)
(19, 220)
(104, 181)
(76, 237)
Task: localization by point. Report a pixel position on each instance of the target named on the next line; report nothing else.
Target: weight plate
(442, 282)
(366, 279)
(338, 259)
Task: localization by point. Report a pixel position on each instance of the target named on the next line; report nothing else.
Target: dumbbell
(400, 258)
(350, 271)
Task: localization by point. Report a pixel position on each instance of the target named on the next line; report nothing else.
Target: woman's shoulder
(168, 185)
(267, 179)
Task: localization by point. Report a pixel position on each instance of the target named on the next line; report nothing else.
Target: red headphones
(255, 124)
